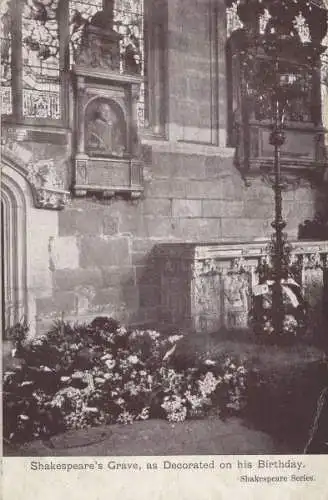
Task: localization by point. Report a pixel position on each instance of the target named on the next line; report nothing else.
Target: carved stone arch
(47, 188)
(16, 197)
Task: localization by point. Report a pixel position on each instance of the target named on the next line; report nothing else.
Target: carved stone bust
(105, 133)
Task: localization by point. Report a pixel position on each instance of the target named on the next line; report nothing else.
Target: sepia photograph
(164, 231)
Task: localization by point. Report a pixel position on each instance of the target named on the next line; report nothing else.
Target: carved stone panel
(237, 296)
(207, 288)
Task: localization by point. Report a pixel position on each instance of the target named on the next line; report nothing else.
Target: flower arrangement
(294, 308)
(102, 373)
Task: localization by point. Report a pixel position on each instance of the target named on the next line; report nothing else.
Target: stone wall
(96, 255)
(102, 255)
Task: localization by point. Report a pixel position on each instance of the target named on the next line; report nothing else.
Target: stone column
(196, 89)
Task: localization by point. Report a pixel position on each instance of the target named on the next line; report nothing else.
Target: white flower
(106, 356)
(110, 363)
(153, 334)
(175, 338)
(125, 418)
(208, 384)
(133, 359)
(144, 414)
(121, 330)
(209, 362)
(91, 409)
(27, 382)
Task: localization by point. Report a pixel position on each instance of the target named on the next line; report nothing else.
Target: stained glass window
(80, 12)
(233, 21)
(324, 86)
(5, 41)
(40, 53)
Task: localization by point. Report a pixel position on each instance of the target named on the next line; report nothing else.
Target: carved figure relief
(100, 44)
(105, 129)
(236, 292)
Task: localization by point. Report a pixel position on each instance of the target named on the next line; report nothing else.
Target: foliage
(293, 306)
(102, 373)
(294, 313)
(17, 333)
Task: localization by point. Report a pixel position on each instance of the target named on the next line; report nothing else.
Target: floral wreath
(295, 309)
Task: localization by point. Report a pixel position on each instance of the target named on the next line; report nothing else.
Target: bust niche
(107, 157)
(105, 129)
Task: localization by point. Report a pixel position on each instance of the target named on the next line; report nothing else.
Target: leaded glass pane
(324, 85)
(40, 52)
(233, 21)
(129, 22)
(5, 43)
(80, 12)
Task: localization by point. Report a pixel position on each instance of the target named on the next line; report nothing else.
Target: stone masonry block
(178, 166)
(223, 189)
(110, 224)
(68, 279)
(190, 166)
(255, 209)
(220, 208)
(141, 246)
(64, 302)
(124, 297)
(299, 210)
(244, 229)
(163, 164)
(216, 167)
(305, 194)
(80, 221)
(133, 225)
(64, 253)
(160, 228)
(149, 296)
(117, 276)
(45, 306)
(146, 275)
(158, 207)
(187, 208)
(162, 188)
(108, 296)
(199, 87)
(104, 251)
(201, 229)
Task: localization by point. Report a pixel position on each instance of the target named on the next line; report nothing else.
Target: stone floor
(210, 436)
